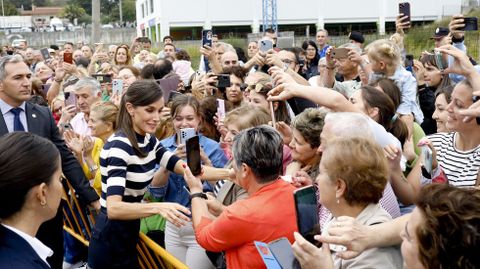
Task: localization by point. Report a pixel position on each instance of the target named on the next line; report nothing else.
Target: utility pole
(121, 13)
(95, 21)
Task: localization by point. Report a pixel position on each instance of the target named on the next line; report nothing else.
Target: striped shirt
(126, 174)
(460, 167)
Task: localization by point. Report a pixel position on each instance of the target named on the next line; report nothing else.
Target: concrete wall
(45, 39)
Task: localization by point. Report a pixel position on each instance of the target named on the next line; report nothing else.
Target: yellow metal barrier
(79, 224)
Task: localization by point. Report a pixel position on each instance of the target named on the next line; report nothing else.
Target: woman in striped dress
(127, 166)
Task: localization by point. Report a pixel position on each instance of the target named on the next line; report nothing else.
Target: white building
(158, 18)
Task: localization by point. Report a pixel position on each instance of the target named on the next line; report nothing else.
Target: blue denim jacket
(175, 189)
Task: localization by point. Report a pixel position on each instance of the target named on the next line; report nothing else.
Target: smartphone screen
(207, 38)
(45, 53)
(221, 108)
(45, 88)
(223, 81)
(471, 24)
(193, 155)
(306, 206)
(404, 8)
(67, 57)
(427, 158)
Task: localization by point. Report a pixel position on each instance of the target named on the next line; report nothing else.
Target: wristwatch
(198, 194)
(93, 168)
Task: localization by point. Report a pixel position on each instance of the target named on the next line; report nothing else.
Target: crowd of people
(392, 147)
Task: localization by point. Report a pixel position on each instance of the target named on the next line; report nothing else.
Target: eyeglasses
(287, 61)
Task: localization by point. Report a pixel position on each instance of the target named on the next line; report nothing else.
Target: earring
(43, 203)
(338, 201)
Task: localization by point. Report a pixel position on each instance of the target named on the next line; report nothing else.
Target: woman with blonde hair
(102, 122)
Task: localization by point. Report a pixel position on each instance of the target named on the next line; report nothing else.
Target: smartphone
(223, 81)
(193, 155)
(272, 113)
(404, 8)
(266, 45)
(409, 60)
(207, 38)
(221, 108)
(283, 253)
(172, 95)
(117, 86)
(70, 99)
(185, 134)
(427, 158)
(68, 57)
(471, 24)
(306, 206)
(45, 88)
(103, 78)
(340, 53)
(475, 99)
(439, 60)
(45, 54)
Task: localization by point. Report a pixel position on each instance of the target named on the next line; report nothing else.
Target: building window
(146, 7)
(151, 6)
(143, 11)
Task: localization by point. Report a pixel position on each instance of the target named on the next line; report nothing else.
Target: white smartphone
(117, 86)
(266, 45)
(427, 158)
(185, 134)
(221, 108)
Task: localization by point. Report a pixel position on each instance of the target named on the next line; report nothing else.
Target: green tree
(9, 8)
(72, 11)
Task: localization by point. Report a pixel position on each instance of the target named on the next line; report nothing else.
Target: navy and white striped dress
(124, 173)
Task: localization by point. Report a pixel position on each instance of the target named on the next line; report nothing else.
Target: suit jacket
(40, 122)
(17, 253)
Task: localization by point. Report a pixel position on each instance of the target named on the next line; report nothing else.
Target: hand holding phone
(223, 81)
(193, 155)
(471, 24)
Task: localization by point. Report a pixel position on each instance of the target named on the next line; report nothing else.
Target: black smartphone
(408, 60)
(103, 78)
(404, 8)
(223, 81)
(193, 155)
(475, 99)
(306, 206)
(471, 24)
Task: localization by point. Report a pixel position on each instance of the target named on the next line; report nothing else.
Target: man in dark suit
(19, 115)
